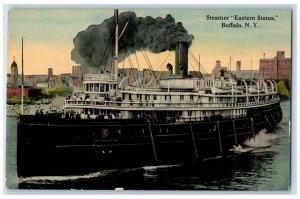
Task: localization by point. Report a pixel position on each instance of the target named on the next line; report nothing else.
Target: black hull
(48, 146)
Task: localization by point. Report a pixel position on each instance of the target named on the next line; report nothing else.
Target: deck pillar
(152, 141)
(194, 142)
(219, 134)
(234, 131)
(252, 128)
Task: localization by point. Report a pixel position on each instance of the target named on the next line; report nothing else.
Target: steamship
(175, 120)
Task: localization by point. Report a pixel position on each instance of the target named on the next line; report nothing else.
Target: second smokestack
(181, 60)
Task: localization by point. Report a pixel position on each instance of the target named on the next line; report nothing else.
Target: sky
(48, 36)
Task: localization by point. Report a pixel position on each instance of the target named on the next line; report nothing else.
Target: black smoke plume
(157, 35)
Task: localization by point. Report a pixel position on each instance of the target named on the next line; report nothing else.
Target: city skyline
(48, 37)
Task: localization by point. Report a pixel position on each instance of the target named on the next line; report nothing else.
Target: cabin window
(154, 97)
(189, 113)
(97, 87)
(129, 96)
(167, 96)
(181, 97)
(106, 87)
(191, 97)
(101, 88)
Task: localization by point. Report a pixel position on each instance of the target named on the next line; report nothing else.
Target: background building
(216, 70)
(196, 74)
(51, 78)
(27, 92)
(131, 73)
(77, 73)
(245, 74)
(14, 74)
(13, 78)
(277, 68)
(65, 79)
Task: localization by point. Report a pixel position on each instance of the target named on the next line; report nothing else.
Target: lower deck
(51, 146)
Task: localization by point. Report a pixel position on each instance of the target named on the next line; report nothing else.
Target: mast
(115, 67)
(230, 63)
(199, 65)
(22, 86)
(251, 70)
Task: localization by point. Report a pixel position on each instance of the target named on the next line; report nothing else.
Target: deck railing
(152, 104)
(97, 77)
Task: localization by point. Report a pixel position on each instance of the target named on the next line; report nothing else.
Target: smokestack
(218, 63)
(181, 60)
(170, 69)
(238, 65)
(50, 72)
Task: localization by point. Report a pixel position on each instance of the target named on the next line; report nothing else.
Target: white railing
(97, 77)
(151, 104)
(130, 88)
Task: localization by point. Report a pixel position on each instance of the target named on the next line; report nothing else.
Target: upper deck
(175, 94)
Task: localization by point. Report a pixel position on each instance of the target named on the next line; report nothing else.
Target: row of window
(204, 83)
(99, 87)
(147, 97)
(209, 113)
(191, 97)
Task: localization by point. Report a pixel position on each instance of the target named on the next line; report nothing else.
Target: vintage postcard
(149, 99)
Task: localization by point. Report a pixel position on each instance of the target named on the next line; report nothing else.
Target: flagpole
(22, 86)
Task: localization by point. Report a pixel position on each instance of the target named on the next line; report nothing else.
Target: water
(263, 165)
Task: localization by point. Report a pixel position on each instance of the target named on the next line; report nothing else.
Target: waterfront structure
(35, 80)
(216, 70)
(28, 92)
(77, 71)
(65, 79)
(277, 68)
(245, 74)
(196, 74)
(130, 73)
(51, 78)
(14, 74)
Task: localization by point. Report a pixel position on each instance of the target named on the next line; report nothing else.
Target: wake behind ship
(172, 120)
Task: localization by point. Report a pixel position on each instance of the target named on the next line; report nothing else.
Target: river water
(265, 166)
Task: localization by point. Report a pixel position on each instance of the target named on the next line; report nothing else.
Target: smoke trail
(152, 34)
